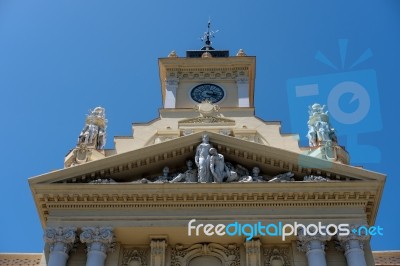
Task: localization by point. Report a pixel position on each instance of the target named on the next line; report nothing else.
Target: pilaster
(253, 252)
(158, 249)
(243, 91)
(171, 84)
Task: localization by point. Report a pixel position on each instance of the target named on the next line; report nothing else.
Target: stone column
(61, 240)
(253, 252)
(353, 247)
(314, 247)
(243, 91)
(158, 249)
(171, 84)
(99, 240)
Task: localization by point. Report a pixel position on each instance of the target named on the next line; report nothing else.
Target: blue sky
(60, 58)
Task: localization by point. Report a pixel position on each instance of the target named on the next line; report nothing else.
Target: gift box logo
(352, 101)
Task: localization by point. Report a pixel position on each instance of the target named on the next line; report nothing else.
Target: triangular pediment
(149, 161)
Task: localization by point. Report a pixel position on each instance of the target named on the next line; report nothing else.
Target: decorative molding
(277, 253)
(206, 121)
(132, 255)
(64, 235)
(229, 255)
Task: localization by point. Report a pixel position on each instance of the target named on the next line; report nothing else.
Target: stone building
(167, 194)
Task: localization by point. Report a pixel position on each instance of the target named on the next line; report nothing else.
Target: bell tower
(207, 74)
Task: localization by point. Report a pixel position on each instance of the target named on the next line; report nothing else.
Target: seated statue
(283, 177)
(190, 175)
(164, 178)
(219, 170)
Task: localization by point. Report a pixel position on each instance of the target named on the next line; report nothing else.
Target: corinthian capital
(101, 238)
(307, 242)
(60, 235)
(355, 239)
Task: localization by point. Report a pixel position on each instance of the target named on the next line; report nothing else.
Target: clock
(211, 92)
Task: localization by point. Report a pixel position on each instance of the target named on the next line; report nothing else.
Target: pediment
(207, 121)
(148, 163)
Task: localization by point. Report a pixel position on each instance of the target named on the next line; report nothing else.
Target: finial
(172, 54)
(207, 36)
(241, 53)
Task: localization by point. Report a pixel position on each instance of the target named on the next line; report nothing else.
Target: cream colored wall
(270, 132)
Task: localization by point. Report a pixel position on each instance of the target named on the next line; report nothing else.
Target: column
(171, 84)
(61, 240)
(158, 248)
(243, 91)
(253, 254)
(99, 241)
(353, 247)
(314, 247)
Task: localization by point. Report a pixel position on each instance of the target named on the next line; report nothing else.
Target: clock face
(211, 92)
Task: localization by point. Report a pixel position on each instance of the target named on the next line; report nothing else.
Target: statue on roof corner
(93, 134)
(319, 128)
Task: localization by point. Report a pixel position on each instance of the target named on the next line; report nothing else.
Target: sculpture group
(212, 168)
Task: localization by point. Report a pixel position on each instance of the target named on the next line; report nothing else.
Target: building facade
(167, 194)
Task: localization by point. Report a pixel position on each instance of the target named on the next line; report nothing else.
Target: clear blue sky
(60, 58)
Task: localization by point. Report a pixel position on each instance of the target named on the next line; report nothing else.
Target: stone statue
(315, 178)
(93, 133)
(218, 168)
(283, 177)
(164, 178)
(202, 160)
(312, 136)
(256, 175)
(323, 131)
(316, 109)
(189, 176)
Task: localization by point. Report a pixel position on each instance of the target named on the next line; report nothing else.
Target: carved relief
(135, 257)
(277, 256)
(229, 256)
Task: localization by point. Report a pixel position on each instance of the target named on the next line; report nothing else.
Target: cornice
(181, 195)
